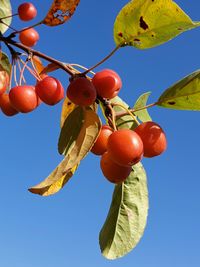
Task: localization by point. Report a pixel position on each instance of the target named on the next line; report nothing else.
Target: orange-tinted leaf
(38, 64)
(50, 67)
(60, 12)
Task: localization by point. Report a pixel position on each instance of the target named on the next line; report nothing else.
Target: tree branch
(29, 50)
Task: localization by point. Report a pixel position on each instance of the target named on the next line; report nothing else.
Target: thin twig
(10, 27)
(124, 113)
(27, 28)
(10, 16)
(103, 60)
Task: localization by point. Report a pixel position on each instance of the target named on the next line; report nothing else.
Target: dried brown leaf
(60, 12)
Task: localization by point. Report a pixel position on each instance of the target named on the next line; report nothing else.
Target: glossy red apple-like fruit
(153, 138)
(100, 145)
(23, 98)
(50, 90)
(29, 37)
(112, 171)
(27, 11)
(6, 106)
(107, 83)
(125, 147)
(81, 92)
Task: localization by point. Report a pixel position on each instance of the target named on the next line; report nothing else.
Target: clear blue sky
(62, 230)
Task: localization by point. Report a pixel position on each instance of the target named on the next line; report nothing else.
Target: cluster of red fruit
(120, 149)
(123, 148)
(26, 98)
(105, 84)
(29, 36)
(81, 91)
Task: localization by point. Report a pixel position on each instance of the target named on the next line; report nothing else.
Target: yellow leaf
(67, 108)
(60, 12)
(55, 181)
(65, 170)
(145, 24)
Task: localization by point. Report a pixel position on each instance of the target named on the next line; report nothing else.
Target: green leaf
(143, 114)
(145, 24)
(127, 216)
(5, 63)
(184, 95)
(78, 150)
(5, 11)
(70, 130)
(125, 121)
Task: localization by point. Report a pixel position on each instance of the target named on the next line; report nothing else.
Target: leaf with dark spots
(143, 24)
(152, 22)
(183, 95)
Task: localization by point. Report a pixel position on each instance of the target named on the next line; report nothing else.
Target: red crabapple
(125, 147)
(100, 145)
(6, 106)
(107, 83)
(112, 171)
(153, 137)
(23, 98)
(81, 92)
(27, 11)
(29, 37)
(50, 90)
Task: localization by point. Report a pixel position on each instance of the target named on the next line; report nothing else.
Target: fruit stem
(14, 70)
(102, 61)
(81, 67)
(21, 70)
(108, 112)
(32, 72)
(113, 119)
(29, 50)
(128, 111)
